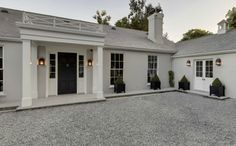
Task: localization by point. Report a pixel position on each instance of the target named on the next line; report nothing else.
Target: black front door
(67, 74)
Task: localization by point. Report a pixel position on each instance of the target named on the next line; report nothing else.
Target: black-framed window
(209, 69)
(81, 66)
(152, 67)
(117, 66)
(1, 69)
(52, 67)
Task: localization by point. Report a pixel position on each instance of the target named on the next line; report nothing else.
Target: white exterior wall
(226, 73)
(135, 69)
(12, 73)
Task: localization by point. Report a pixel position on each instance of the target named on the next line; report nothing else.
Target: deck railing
(56, 22)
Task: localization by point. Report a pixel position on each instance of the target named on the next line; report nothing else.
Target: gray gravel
(162, 119)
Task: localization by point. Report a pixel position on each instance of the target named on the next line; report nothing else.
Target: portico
(53, 41)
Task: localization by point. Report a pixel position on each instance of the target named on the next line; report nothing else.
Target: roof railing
(56, 22)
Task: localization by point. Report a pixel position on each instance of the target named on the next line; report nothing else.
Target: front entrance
(203, 74)
(67, 73)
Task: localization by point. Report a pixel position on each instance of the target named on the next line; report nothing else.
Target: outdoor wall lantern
(41, 61)
(218, 62)
(90, 62)
(188, 63)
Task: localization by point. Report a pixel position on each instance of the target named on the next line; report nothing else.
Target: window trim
(110, 85)
(157, 68)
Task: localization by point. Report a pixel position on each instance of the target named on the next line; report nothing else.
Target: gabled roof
(115, 38)
(207, 44)
(122, 37)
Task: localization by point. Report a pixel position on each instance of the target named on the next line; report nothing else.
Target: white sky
(180, 15)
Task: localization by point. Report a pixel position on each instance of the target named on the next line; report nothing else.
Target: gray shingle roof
(120, 37)
(123, 37)
(8, 23)
(208, 44)
(128, 38)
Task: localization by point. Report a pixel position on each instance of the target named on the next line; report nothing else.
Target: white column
(26, 74)
(98, 72)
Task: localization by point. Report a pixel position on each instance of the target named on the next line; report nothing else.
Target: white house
(43, 56)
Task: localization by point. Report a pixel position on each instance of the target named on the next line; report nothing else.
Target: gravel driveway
(163, 119)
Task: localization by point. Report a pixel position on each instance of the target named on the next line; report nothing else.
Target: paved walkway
(163, 119)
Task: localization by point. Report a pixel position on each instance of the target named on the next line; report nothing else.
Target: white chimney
(223, 27)
(155, 27)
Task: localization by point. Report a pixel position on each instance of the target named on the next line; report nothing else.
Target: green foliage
(119, 81)
(231, 18)
(171, 78)
(195, 33)
(184, 80)
(102, 17)
(124, 22)
(138, 16)
(217, 83)
(155, 79)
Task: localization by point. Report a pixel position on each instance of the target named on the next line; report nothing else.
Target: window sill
(111, 86)
(148, 84)
(2, 94)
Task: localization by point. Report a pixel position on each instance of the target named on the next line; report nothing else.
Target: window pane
(112, 57)
(121, 57)
(52, 75)
(1, 63)
(1, 75)
(81, 66)
(52, 56)
(52, 59)
(1, 86)
(1, 52)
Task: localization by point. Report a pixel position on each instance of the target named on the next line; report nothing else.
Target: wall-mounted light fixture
(188, 63)
(90, 62)
(218, 62)
(41, 62)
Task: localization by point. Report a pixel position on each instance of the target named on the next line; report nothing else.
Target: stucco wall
(12, 74)
(135, 69)
(226, 73)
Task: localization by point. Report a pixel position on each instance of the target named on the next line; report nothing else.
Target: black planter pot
(155, 85)
(184, 85)
(119, 88)
(217, 91)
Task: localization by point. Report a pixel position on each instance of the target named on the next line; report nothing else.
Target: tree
(124, 22)
(195, 33)
(102, 17)
(138, 16)
(231, 18)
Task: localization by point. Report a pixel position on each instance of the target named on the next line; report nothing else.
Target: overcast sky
(180, 15)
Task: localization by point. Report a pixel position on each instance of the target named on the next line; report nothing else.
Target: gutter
(139, 49)
(10, 39)
(206, 54)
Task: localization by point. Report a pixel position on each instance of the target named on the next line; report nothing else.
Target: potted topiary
(171, 78)
(217, 88)
(184, 84)
(119, 85)
(155, 83)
